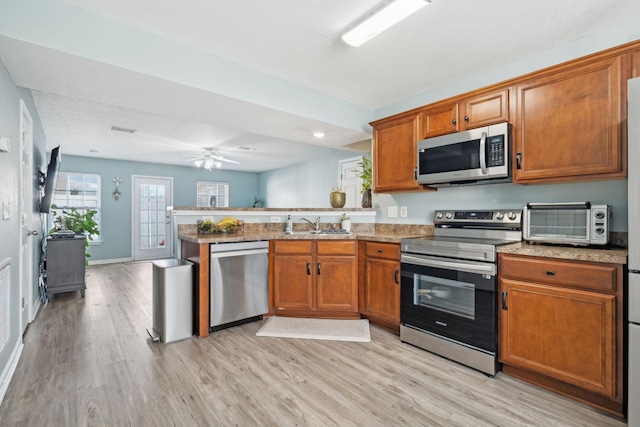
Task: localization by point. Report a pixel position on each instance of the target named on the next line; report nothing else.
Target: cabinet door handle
(396, 277)
(551, 273)
(318, 269)
(518, 160)
(415, 173)
(308, 269)
(504, 301)
(466, 119)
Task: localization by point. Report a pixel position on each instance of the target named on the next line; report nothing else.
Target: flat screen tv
(50, 180)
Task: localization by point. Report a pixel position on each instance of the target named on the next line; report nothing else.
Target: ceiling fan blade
(194, 159)
(224, 159)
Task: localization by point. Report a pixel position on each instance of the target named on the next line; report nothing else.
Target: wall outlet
(392, 211)
(205, 217)
(6, 211)
(403, 211)
(275, 219)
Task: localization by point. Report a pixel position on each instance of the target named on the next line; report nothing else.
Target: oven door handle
(451, 264)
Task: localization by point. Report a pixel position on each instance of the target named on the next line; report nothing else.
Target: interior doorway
(151, 220)
(350, 181)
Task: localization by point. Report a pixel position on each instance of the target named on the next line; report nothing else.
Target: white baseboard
(110, 261)
(34, 312)
(10, 369)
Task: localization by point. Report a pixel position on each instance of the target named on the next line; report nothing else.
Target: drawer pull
(379, 251)
(551, 273)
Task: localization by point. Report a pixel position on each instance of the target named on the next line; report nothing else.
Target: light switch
(6, 211)
(392, 211)
(403, 211)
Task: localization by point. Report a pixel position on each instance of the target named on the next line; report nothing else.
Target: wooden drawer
(336, 247)
(383, 250)
(585, 275)
(292, 246)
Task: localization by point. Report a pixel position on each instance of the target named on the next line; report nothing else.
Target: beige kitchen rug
(356, 330)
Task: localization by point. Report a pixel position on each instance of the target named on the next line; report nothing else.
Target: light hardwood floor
(89, 361)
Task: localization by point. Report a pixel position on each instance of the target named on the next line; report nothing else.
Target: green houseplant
(78, 222)
(366, 176)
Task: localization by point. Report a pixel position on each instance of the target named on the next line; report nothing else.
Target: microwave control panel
(495, 145)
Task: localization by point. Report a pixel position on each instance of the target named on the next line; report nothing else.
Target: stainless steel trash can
(172, 300)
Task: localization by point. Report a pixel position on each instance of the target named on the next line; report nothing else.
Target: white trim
(110, 261)
(25, 214)
(10, 369)
(35, 310)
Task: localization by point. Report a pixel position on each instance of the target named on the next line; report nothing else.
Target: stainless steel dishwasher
(238, 284)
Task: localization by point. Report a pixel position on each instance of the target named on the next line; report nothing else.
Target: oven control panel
(485, 217)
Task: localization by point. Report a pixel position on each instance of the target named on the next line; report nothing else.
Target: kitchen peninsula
(195, 246)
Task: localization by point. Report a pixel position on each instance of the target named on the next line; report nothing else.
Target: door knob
(32, 233)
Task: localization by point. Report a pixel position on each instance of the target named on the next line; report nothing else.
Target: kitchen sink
(311, 232)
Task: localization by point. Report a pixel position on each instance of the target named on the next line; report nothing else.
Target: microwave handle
(483, 153)
(568, 205)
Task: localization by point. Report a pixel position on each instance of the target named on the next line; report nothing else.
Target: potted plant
(80, 223)
(337, 197)
(345, 223)
(366, 177)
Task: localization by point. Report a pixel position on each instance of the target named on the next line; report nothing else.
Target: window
(213, 194)
(81, 191)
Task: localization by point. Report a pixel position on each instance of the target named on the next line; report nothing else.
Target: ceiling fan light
(376, 22)
(217, 165)
(208, 164)
(198, 163)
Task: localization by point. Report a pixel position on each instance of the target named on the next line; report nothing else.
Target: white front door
(350, 181)
(26, 209)
(151, 220)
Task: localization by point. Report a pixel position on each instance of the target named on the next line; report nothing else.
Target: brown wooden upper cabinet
(395, 154)
(635, 61)
(568, 124)
(468, 113)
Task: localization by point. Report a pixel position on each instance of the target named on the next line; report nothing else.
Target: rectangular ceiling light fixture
(388, 14)
(121, 129)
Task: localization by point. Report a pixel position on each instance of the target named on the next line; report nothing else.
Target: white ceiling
(258, 73)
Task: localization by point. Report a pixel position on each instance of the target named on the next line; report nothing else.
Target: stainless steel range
(448, 293)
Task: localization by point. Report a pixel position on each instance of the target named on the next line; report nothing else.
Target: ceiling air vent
(125, 130)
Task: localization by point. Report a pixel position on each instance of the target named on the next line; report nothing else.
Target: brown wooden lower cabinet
(561, 327)
(314, 278)
(380, 283)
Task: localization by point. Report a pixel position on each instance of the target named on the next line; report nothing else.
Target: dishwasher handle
(239, 253)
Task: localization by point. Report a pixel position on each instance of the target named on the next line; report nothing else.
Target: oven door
(455, 299)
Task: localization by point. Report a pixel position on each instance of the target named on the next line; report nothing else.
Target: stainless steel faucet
(316, 226)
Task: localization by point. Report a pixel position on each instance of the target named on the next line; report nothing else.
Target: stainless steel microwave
(477, 156)
(579, 223)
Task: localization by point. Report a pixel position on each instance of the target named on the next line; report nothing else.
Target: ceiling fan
(208, 159)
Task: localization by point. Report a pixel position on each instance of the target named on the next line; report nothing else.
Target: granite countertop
(613, 255)
(394, 233)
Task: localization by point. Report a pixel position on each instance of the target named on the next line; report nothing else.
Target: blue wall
(304, 185)
(116, 215)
